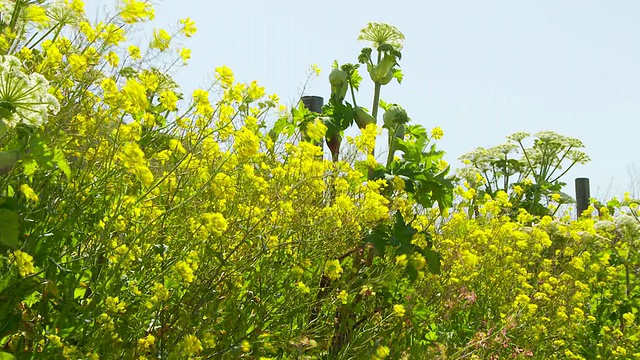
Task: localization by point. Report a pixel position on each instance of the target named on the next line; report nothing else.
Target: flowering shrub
(139, 222)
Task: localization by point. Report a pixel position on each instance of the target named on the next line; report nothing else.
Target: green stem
(564, 172)
(374, 110)
(353, 94)
(392, 149)
(506, 174)
(526, 157)
(560, 162)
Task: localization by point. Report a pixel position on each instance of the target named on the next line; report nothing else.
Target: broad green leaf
(433, 261)
(9, 228)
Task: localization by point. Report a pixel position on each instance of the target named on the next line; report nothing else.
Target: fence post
(314, 104)
(582, 195)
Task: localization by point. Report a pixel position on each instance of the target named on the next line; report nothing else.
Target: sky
(481, 70)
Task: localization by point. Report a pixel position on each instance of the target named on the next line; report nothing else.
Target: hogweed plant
(529, 177)
(420, 174)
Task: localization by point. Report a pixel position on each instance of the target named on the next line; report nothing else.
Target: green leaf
(433, 261)
(384, 105)
(9, 228)
(278, 127)
(61, 162)
(250, 330)
(8, 159)
(29, 167)
(397, 74)
(3, 128)
(355, 79)
(402, 233)
(379, 238)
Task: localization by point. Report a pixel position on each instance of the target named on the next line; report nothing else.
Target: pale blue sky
(481, 70)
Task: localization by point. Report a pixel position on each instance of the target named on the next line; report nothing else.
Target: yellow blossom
(437, 133)
(246, 142)
(113, 59)
(398, 310)
(224, 75)
(190, 345)
(78, 64)
(161, 40)
(381, 353)
(28, 192)
(189, 27)
(133, 11)
(185, 54)
(134, 52)
(24, 263)
(169, 100)
(36, 14)
(343, 296)
(332, 269)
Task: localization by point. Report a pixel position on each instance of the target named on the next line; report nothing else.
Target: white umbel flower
(6, 11)
(24, 97)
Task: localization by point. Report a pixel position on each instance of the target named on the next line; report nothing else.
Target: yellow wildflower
(169, 99)
(185, 54)
(398, 310)
(437, 133)
(133, 11)
(224, 75)
(381, 352)
(24, 263)
(28, 192)
(161, 40)
(189, 27)
(332, 269)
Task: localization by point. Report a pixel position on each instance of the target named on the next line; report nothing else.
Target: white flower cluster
(623, 222)
(60, 12)
(23, 97)
(6, 10)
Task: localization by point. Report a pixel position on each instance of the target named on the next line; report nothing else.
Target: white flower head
(381, 33)
(6, 11)
(604, 225)
(60, 12)
(24, 97)
(518, 137)
(626, 222)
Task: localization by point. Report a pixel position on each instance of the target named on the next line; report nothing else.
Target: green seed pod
(363, 118)
(395, 116)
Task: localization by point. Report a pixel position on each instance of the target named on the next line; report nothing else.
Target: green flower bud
(363, 118)
(383, 72)
(339, 84)
(395, 116)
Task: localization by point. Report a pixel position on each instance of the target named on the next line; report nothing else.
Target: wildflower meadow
(140, 222)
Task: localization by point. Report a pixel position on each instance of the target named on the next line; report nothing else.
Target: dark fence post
(314, 104)
(582, 195)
